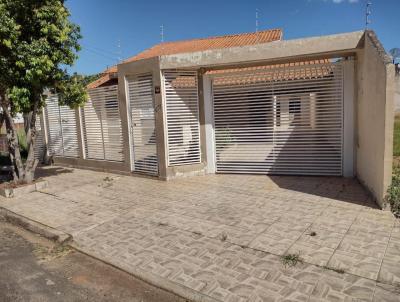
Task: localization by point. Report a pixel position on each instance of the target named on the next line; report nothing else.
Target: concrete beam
(316, 46)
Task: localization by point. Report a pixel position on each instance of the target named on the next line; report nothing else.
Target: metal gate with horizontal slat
(280, 120)
(61, 121)
(141, 103)
(182, 112)
(40, 143)
(101, 124)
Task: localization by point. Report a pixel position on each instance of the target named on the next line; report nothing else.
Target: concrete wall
(375, 112)
(95, 165)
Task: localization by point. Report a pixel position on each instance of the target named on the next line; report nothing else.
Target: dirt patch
(36, 269)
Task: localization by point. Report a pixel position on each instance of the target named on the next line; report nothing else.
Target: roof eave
(276, 50)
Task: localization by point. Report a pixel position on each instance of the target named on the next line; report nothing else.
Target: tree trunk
(30, 126)
(17, 167)
(22, 173)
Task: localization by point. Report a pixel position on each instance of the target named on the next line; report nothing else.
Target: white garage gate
(284, 119)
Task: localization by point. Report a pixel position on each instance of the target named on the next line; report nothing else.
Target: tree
(37, 43)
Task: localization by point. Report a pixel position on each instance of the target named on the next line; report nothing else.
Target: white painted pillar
(43, 125)
(348, 118)
(209, 124)
(126, 114)
(80, 132)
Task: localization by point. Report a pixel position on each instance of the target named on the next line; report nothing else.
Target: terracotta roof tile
(262, 73)
(169, 48)
(273, 72)
(103, 79)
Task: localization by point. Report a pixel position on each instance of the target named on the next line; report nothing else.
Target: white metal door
(63, 135)
(182, 111)
(101, 124)
(143, 130)
(280, 120)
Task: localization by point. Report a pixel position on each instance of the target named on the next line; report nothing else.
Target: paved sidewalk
(221, 237)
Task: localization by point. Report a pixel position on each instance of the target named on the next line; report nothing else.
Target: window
(294, 109)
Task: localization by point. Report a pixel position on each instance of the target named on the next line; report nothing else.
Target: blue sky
(135, 24)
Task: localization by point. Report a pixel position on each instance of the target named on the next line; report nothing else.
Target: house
(247, 104)
(19, 125)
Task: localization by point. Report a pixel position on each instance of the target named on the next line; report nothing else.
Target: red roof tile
(169, 48)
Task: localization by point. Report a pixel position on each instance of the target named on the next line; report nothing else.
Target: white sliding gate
(280, 120)
(63, 136)
(143, 131)
(101, 124)
(40, 143)
(182, 114)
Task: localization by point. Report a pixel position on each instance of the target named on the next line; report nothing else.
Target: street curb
(35, 227)
(160, 282)
(66, 239)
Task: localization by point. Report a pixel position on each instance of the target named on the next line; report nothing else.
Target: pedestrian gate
(143, 132)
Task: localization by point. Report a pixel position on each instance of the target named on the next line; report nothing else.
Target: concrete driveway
(222, 237)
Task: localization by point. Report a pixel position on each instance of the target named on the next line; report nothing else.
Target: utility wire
(100, 49)
(100, 54)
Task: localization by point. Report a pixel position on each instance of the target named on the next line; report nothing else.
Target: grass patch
(290, 260)
(396, 136)
(44, 253)
(393, 192)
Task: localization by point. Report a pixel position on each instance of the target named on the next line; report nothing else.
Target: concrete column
(203, 155)
(125, 122)
(79, 131)
(348, 118)
(209, 132)
(160, 120)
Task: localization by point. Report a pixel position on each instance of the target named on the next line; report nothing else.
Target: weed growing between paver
(223, 237)
(337, 270)
(291, 260)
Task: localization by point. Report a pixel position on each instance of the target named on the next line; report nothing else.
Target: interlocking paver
(223, 235)
(357, 264)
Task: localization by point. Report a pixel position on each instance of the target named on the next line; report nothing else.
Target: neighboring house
(19, 124)
(248, 103)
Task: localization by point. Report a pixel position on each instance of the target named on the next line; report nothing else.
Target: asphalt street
(34, 269)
